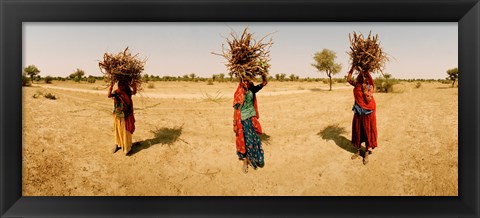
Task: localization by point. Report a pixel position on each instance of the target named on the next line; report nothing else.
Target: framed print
(179, 155)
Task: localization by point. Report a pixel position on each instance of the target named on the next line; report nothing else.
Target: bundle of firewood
(122, 66)
(246, 57)
(366, 53)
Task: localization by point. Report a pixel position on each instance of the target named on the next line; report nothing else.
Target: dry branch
(246, 57)
(122, 66)
(366, 53)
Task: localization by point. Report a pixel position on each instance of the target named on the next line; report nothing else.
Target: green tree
(293, 77)
(325, 62)
(77, 75)
(145, 78)
(280, 77)
(25, 80)
(221, 77)
(31, 71)
(48, 79)
(452, 75)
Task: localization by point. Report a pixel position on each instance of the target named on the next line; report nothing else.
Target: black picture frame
(13, 13)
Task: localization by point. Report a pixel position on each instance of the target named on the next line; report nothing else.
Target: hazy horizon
(419, 50)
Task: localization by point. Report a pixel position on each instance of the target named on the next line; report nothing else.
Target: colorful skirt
(364, 129)
(253, 145)
(123, 138)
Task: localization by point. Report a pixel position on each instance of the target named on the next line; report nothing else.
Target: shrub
(418, 85)
(91, 80)
(383, 84)
(151, 85)
(50, 96)
(48, 79)
(25, 81)
(210, 82)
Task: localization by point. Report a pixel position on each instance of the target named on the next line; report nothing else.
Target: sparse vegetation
(385, 83)
(217, 97)
(50, 96)
(48, 79)
(25, 80)
(452, 75)
(325, 62)
(47, 95)
(31, 71)
(77, 75)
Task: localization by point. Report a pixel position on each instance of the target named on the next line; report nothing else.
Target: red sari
(364, 127)
(238, 98)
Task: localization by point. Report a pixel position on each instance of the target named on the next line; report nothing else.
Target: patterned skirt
(253, 145)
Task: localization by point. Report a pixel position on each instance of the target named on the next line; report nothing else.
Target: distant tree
(214, 77)
(293, 77)
(385, 83)
(38, 78)
(221, 77)
(193, 76)
(77, 75)
(325, 62)
(48, 79)
(387, 76)
(452, 75)
(280, 77)
(31, 71)
(91, 79)
(25, 80)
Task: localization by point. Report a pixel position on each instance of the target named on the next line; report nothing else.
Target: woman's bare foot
(115, 148)
(245, 165)
(365, 159)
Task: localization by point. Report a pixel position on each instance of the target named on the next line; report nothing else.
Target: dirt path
(185, 145)
(184, 96)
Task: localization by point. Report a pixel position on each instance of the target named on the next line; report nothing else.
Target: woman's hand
(349, 76)
(264, 80)
(109, 94)
(134, 89)
(351, 69)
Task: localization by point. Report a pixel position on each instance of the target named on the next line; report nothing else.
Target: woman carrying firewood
(366, 57)
(247, 59)
(124, 120)
(126, 69)
(246, 125)
(364, 124)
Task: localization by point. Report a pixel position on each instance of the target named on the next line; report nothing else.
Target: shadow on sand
(265, 138)
(165, 136)
(442, 87)
(319, 90)
(333, 132)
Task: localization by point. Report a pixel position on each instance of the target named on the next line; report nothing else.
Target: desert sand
(185, 144)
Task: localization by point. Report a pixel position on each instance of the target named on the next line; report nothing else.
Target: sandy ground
(184, 142)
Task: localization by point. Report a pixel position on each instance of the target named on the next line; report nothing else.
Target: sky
(416, 50)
